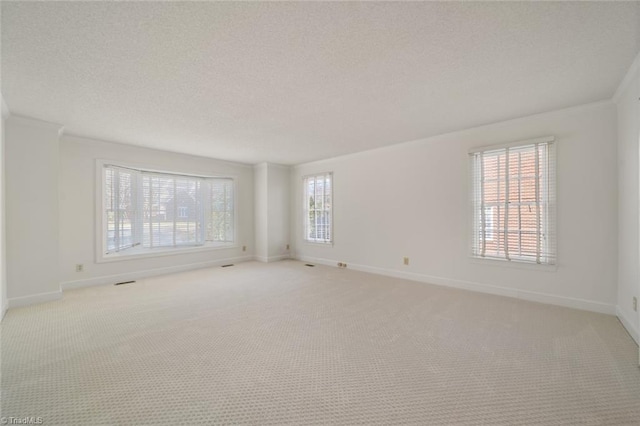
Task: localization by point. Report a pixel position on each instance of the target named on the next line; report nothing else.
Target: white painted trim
(33, 299)
(277, 258)
(266, 165)
(279, 166)
(628, 324)
(130, 276)
(34, 122)
(3, 232)
(172, 251)
(80, 138)
(569, 302)
(628, 79)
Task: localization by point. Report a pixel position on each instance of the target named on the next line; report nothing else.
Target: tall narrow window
(318, 205)
(514, 202)
(145, 210)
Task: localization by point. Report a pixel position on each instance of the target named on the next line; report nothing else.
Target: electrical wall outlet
(79, 267)
(406, 261)
(635, 303)
(287, 246)
(244, 248)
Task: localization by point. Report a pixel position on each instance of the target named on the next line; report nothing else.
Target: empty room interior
(328, 213)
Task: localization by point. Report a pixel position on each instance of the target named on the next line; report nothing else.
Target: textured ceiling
(294, 82)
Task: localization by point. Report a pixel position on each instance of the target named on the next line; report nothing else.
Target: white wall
(278, 211)
(413, 200)
(271, 182)
(260, 211)
(3, 240)
(77, 212)
(31, 171)
(628, 105)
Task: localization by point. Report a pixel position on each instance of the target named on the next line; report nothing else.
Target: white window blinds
(147, 210)
(318, 205)
(513, 202)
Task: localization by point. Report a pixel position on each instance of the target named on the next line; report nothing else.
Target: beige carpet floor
(283, 343)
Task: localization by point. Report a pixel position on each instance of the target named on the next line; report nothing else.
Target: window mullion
(537, 195)
(116, 219)
(498, 224)
(207, 201)
(306, 208)
(328, 208)
(199, 219)
(483, 219)
(322, 212)
(315, 207)
(175, 210)
(139, 209)
(151, 211)
(227, 213)
(506, 204)
(519, 203)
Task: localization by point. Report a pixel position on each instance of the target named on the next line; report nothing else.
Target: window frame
(305, 210)
(101, 255)
(548, 187)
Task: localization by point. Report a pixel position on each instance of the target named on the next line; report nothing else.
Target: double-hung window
(318, 208)
(147, 211)
(513, 202)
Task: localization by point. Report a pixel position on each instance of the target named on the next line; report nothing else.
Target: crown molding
(33, 122)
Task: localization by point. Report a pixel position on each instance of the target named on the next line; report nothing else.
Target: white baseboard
(265, 259)
(130, 276)
(279, 257)
(551, 299)
(16, 302)
(629, 324)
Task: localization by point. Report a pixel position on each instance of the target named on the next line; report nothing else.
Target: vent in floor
(226, 266)
(124, 282)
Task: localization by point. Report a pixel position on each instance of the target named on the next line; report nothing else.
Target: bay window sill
(133, 254)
